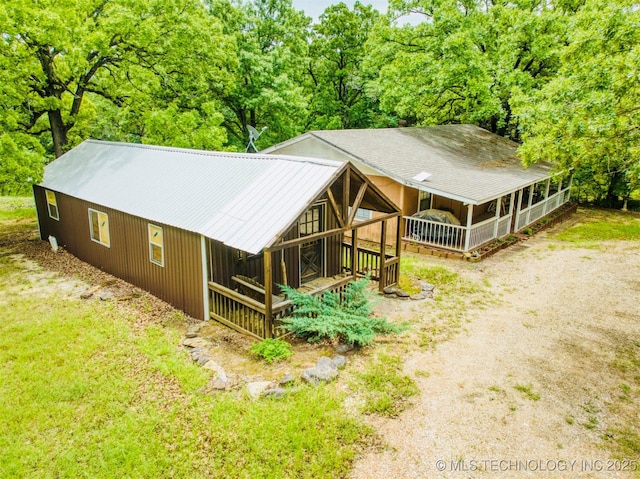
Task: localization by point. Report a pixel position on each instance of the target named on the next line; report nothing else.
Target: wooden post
(268, 295)
(354, 253)
(382, 279)
(283, 269)
(467, 239)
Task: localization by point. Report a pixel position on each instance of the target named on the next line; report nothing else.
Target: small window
(361, 214)
(424, 200)
(52, 204)
(99, 226)
(156, 245)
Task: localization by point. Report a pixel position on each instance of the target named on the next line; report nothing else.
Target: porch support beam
(346, 189)
(354, 253)
(546, 195)
(268, 295)
(334, 207)
(326, 234)
(382, 280)
(497, 216)
(357, 201)
(531, 190)
(519, 210)
(467, 239)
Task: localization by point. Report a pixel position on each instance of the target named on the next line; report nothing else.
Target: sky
(314, 8)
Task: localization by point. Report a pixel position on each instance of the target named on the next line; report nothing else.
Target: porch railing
(434, 233)
(529, 215)
(248, 316)
(369, 263)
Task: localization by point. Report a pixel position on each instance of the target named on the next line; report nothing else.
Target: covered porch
(319, 252)
(491, 220)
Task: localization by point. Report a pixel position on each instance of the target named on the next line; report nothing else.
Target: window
(156, 245)
(311, 221)
(424, 200)
(52, 204)
(361, 214)
(99, 227)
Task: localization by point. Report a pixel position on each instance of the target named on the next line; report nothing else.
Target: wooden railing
(532, 214)
(369, 263)
(434, 233)
(248, 316)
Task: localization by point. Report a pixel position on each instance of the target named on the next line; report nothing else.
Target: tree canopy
(561, 77)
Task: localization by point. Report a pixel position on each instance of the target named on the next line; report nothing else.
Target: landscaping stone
(343, 348)
(86, 295)
(255, 389)
(195, 343)
(401, 293)
(390, 290)
(339, 361)
(325, 362)
(418, 296)
(279, 392)
(426, 286)
(203, 359)
(288, 379)
(106, 296)
(219, 381)
(325, 370)
(191, 334)
(212, 366)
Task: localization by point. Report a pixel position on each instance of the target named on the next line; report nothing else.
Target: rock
(343, 348)
(191, 334)
(195, 343)
(255, 389)
(86, 295)
(275, 392)
(401, 293)
(339, 361)
(195, 353)
(203, 359)
(418, 297)
(288, 379)
(390, 290)
(107, 295)
(325, 370)
(426, 286)
(212, 366)
(219, 381)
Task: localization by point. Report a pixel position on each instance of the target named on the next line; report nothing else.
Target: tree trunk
(58, 132)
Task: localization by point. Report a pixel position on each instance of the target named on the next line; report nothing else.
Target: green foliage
(528, 391)
(272, 350)
(384, 387)
(325, 317)
(84, 394)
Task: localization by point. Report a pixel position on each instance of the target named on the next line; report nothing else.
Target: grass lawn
(84, 394)
(602, 225)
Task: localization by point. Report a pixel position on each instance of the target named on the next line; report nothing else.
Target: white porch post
(546, 197)
(518, 211)
(531, 189)
(569, 189)
(497, 216)
(467, 239)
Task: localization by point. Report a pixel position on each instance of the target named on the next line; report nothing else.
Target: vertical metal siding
(179, 282)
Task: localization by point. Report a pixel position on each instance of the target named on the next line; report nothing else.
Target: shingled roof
(465, 162)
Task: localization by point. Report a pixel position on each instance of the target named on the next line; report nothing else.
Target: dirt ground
(526, 389)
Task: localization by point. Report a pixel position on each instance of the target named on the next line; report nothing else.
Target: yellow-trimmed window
(99, 227)
(156, 245)
(52, 205)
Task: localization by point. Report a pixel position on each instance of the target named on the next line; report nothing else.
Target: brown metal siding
(179, 282)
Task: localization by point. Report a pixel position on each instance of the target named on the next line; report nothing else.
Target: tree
(66, 52)
(588, 117)
(266, 90)
(463, 63)
(337, 80)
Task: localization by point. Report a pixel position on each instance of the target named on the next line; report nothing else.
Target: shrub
(272, 350)
(325, 317)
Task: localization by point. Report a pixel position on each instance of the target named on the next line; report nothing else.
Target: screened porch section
(489, 221)
(319, 252)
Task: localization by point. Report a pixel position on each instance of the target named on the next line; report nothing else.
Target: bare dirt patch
(529, 378)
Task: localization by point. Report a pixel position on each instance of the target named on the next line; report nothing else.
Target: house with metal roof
(459, 186)
(214, 233)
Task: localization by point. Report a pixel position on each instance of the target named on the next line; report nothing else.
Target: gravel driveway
(530, 387)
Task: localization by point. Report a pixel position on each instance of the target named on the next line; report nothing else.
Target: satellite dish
(253, 135)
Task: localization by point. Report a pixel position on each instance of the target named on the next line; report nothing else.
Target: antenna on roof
(253, 135)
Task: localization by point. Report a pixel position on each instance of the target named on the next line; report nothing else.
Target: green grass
(528, 391)
(84, 394)
(601, 225)
(16, 208)
(384, 387)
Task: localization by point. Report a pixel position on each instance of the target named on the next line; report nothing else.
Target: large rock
(255, 389)
(343, 348)
(219, 381)
(339, 361)
(401, 293)
(195, 343)
(325, 370)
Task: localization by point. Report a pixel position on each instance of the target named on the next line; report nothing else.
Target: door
(312, 253)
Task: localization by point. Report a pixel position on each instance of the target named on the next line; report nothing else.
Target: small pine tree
(326, 317)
